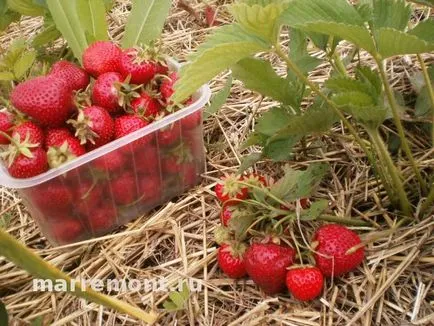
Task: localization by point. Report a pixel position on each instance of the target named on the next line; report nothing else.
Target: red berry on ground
(231, 261)
(266, 264)
(305, 283)
(102, 57)
(6, 124)
(334, 250)
(229, 188)
(76, 78)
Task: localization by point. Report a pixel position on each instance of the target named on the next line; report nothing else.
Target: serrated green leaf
(258, 19)
(342, 84)
(315, 210)
(65, 17)
(356, 98)
(259, 76)
(391, 42)
(372, 115)
(370, 77)
(280, 149)
(255, 138)
(24, 63)
(228, 45)
(219, 99)
(6, 76)
(365, 10)
(26, 7)
(273, 120)
(423, 106)
(3, 314)
(48, 35)
(92, 17)
(240, 223)
(424, 30)
(248, 161)
(391, 14)
(145, 22)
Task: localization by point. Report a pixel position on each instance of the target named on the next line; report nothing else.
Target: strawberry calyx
(126, 92)
(222, 235)
(231, 187)
(148, 53)
(235, 248)
(58, 155)
(17, 147)
(83, 128)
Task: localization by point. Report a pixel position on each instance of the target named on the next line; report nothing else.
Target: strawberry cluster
(252, 245)
(72, 111)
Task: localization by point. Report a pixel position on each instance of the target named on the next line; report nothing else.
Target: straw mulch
(394, 286)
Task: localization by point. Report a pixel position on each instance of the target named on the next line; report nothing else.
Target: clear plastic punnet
(110, 186)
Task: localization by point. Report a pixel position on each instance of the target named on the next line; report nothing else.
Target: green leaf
(65, 17)
(3, 314)
(356, 98)
(240, 223)
(299, 184)
(92, 17)
(280, 149)
(48, 35)
(7, 18)
(218, 100)
(177, 299)
(248, 161)
(341, 84)
(6, 76)
(370, 77)
(26, 7)
(258, 75)
(273, 120)
(259, 20)
(424, 30)
(170, 306)
(145, 22)
(255, 138)
(391, 14)
(391, 42)
(315, 210)
(228, 45)
(423, 106)
(24, 63)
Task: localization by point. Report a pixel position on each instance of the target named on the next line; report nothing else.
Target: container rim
(201, 97)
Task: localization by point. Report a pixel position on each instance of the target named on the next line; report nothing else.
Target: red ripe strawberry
(226, 213)
(305, 283)
(145, 106)
(191, 121)
(230, 259)
(147, 160)
(30, 132)
(29, 166)
(52, 198)
(87, 196)
(229, 188)
(138, 65)
(76, 77)
(102, 57)
(190, 175)
(62, 147)
(210, 16)
(166, 87)
(94, 127)
(48, 100)
(169, 135)
(173, 162)
(124, 189)
(127, 124)
(102, 218)
(266, 264)
(106, 91)
(110, 162)
(162, 68)
(150, 189)
(6, 124)
(334, 250)
(67, 230)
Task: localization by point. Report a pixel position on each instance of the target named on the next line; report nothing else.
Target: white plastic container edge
(201, 98)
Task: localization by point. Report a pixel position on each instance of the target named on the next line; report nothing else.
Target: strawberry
(67, 230)
(30, 132)
(110, 162)
(127, 124)
(226, 213)
(137, 64)
(150, 189)
(162, 68)
(229, 188)
(102, 57)
(192, 121)
(62, 147)
(190, 176)
(173, 162)
(147, 160)
(93, 126)
(305, 283)
(230, 260)
(76, 78)
(52, 198)
(256, 180)
(102, 218)
(87, 196)
(145, 106)
(335, 252)
(6, 124)
(266, 264)
(124, 189)
(26, 166)
(48, 100)
(106, 91)
(169, 135)
(166, 87)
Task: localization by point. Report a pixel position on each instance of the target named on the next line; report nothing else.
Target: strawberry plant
(362, 99)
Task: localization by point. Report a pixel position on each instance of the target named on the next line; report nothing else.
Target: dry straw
(394, 286)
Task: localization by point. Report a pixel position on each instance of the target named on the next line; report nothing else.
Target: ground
(394, 286)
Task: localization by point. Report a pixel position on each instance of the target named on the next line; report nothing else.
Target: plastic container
(110, 186)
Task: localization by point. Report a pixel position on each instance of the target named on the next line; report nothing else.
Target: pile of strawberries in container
(57, 118)
(269, 258)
